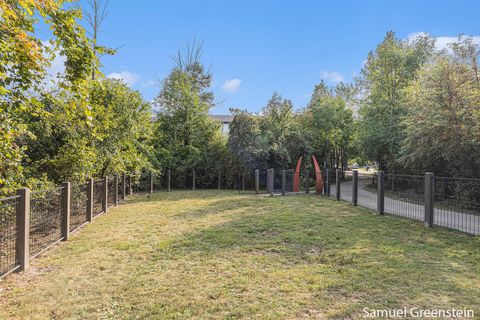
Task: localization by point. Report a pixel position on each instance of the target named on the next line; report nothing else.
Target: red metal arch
(318, 176)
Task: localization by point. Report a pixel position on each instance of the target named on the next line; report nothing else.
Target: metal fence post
(130, 190)
(124, 185)
(307, 181)
(169, 179)
(90, 199)
(115, 190)
(429, 198)
(337, 184)
(105, 195)
(22, 249)
(151, 182)
(257, 181)
(381, 192)
(355, 187)
(327, 182)
(65, 229)
(193, 179)
(284, 181)
(270, 173)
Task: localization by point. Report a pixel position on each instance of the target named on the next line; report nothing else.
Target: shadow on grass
(363, 255)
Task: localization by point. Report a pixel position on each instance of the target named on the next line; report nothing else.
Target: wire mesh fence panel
(45, 219)
(367, 191)
(262, 181)
(232, 181)
(404, 196)
(8, 234)
(206, 179)
(120, 188)
(98, 189)
(78, 205)
(159, 182)
(289, 174)
(250, 181)
(141, 182)
(457, 204)
(111, 192)
(277, 181)
(346, 187)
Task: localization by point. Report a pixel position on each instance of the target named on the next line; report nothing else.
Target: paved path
(442, 217)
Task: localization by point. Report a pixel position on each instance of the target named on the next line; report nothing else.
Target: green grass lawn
(223, 255)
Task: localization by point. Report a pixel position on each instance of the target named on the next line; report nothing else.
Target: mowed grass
(223, 255)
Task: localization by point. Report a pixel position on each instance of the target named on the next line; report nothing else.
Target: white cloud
(331, 76)
(128, 77)
(231, 86)
(149, 83)
(441, 42)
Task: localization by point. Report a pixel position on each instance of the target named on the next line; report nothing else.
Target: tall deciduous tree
(442, 127)
(183, 123)
(387, 72)
(23, 59)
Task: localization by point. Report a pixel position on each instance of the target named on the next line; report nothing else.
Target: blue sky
(257, 47)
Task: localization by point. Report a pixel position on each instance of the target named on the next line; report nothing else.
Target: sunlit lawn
(223, 255)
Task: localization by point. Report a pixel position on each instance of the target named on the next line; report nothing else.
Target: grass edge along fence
(449, 202)
(32, 222)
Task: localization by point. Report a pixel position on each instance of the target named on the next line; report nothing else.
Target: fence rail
(448, 202)
(31, 222)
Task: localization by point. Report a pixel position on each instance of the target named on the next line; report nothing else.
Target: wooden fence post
(284, 181)
(337, 184)
(115, 188)
(429, 198)
(257, 181)
(90, 199)
(307, 181)
(169, 179)
(151, 183)
(23, 224)
(105, 195)
(327, 182)
(270, 175)
(381, 192)
(130, 190)
(355, 187)
(193, 179)
(219, 182)
(243, 181)
(124, 186)
(65, 229)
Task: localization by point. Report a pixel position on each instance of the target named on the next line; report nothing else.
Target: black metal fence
(45, 219)
(8, 234)
(31, 222)
(442, 201)
(78, 205)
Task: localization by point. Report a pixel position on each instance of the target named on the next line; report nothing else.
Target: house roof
(225, 118)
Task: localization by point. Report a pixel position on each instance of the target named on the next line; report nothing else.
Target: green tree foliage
(187, 138)
(387, 72)
(23, 59)
(331, 126)
(65, 145)
(442, 125)
(261, 141)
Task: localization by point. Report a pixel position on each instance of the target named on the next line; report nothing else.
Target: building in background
(225, 119)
